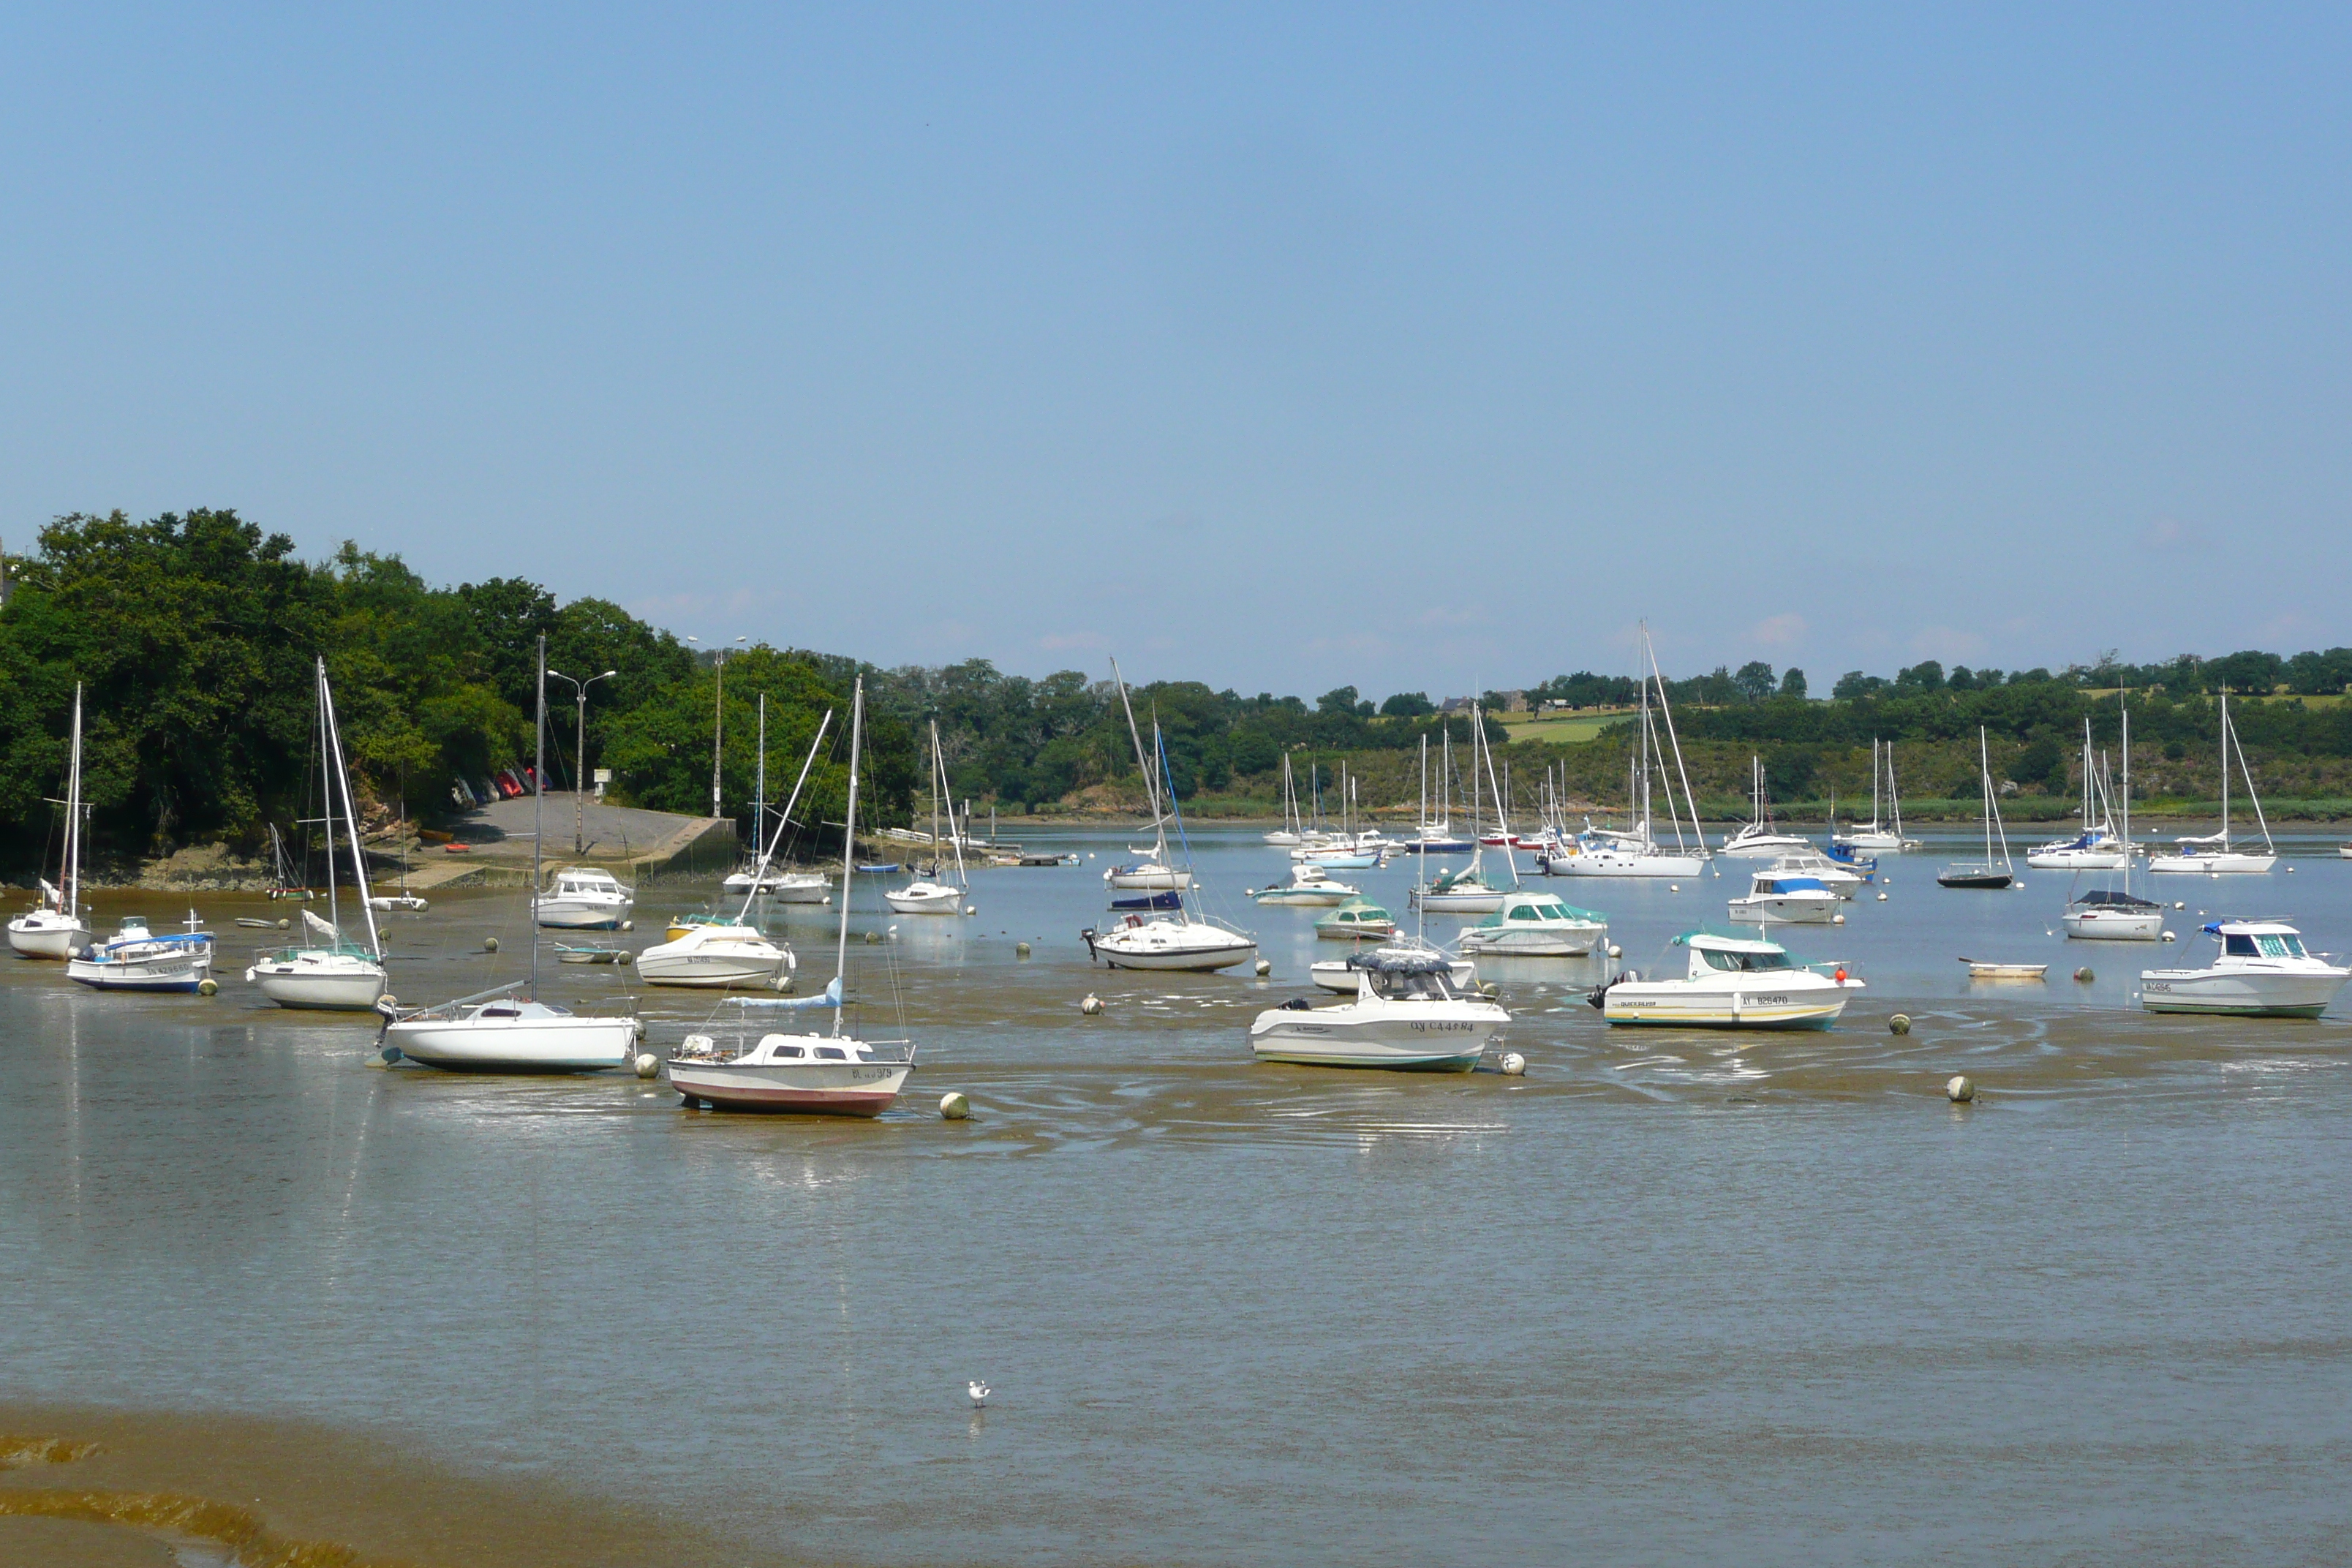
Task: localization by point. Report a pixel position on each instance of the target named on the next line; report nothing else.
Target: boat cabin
(1404, 976)
(1538, 909)
(1713, 954)
(590, 883)
(2257, 938)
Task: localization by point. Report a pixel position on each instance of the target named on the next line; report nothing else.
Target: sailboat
(2116, 915)
(1436, 836)
(1601, 852)
(1349, 849)
(928, 896)
(1166, 936)
(1290, 832)
(495, 1030)
(284, 883)
(2095, 849)
(404, 900)
(765, 875)
(1760, 840)
(1875, 835)
(329, 973)
(1467, 891)
(54, 927)
(2212, 854)
(830, 1074)
(1984, 873)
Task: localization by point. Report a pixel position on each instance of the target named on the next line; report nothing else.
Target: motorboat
(931, 895)
(2105, 914)
(1178, 938)
(1774, 898)
(1530, 924)
(1875, 836)
(814, 1073)
(1732, 982)
(1844, 877)
(2212, 854)
(498, 1030)
(1357, 919)
(2261, 971)
(330, 972)
(1339, 975)
(135, 959)
(1760, 840)
(1983, 874)
(1309, 884)
(718, 957)
(584, 898)
(1462, 892)
(1997, 968)
(1406, 1015)
(54, 927)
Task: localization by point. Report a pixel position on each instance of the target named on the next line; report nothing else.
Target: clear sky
(1280, 347)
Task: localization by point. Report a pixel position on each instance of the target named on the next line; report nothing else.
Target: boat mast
(848, 861)
(350, 820)
(73, 816)
(760, 871)
(2225, 769)
(537, 808)
(758, 789)
(935, 798)
(1502, 817)
(964, 877)
(2127, 746)
(327, 789)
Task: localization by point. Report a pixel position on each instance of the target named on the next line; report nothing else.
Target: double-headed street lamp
(579, 771)
(718, 719)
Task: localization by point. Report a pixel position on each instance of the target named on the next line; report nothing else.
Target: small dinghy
(249, 923)
(589, 954)
(1978, 969)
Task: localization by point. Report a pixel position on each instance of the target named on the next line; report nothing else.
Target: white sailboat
(1601, 852)
(765, 877)
(54, 928)
(1759, 839)
(2096, 848)
(1163, 938)
(1290, 833)
(330, 972)
(2212, 854)
(2116, 915)
(928, 895)
(496, 1030)
(1875, 836)
(830, 1074)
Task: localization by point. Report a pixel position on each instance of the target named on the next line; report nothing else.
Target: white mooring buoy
(1513, 1064)
(1959, 1091)
(648, 1065)
(1899, 1024)
(1264, 967)
(1020, 949)
(1092, 1006)
(489, 943)
(953, 1106)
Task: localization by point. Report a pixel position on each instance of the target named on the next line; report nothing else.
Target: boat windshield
(2280, 945)
(1428, 987)
(1743, 963)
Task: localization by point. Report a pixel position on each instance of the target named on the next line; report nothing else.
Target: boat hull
(323, 987)
(925, 901)
(578, 914)
(2108, 925)
(1985, 881)
(2240, 993)
(1550, 940)
(1170, 951)
(1764, 847)
(2231, 863)
(1304, 898)
(1149, 881)
(568, 1044)
(2074, 859)
(1780, 909)
(183, 969)
(1314, 1039)
(1483, 902)
(712, 971)
(1611, 863)
(806, 1088)
(57, 939)
(1666, 1004)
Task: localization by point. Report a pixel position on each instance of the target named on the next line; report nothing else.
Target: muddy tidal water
(1669, 1298)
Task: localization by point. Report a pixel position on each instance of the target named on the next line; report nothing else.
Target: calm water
(1669, 1298)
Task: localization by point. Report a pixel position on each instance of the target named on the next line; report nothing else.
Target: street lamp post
(718, 719)
(579, 767)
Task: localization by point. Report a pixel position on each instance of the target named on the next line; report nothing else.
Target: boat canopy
(1395, 961)
(1707, 940)
(1790, 885)
(2250, 927)
(2107, 899)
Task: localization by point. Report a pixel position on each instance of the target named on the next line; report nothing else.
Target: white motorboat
(2212, 854)
(1173, 937)
(1758, 839)
(1875, 836)
(54, 927)
(1843, 878)
(1339, 975)
(1406, 1015)
(829, 1074)
(330, 972)
(1309, 884)
(2114, 914)
(1775, 898)
(584, 898)
(1733, 983)
(496, 1030)
(931, 895)
(2261, 971)
(718, 957)
(135, 959)
(1530, 924)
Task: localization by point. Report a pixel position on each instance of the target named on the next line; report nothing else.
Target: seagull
(979, 1391)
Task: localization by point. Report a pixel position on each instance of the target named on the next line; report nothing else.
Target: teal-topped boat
(1536, 925)
(1357, 919)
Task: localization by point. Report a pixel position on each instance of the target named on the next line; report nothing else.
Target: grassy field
(1562, 730)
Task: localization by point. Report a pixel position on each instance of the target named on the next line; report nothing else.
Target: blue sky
(1281, 347)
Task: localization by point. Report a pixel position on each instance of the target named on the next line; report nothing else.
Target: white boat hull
(1764, 847)
(332, 983)
(925, 898)
(1305, 896)
(1166, 945)
(714, 970)
(1874, 843)
(790, 888)
(44, 934)
(1340, 860)
(1779, 1004)
(1149, 881)
(1553, 939)
(1784, 909)
(1485, 901)
(179, 968)
(1400, 1037)
(2227, 863)
(819, 1089)
(562, 1044)
(583, 914)
(1617, 863)
(2303, 993)
(2112, 925)
(2074, 859)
